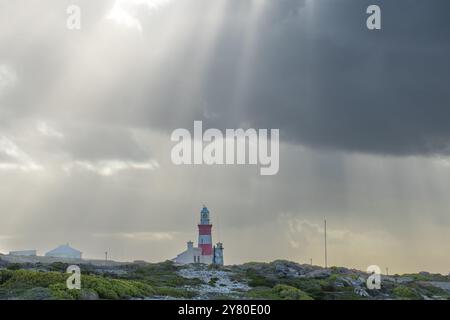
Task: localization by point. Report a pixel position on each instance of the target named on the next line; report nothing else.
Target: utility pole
(106, 256)
(325, 234)
(387, 271)
(311, 261)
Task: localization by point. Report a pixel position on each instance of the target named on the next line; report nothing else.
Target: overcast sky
(364, 118)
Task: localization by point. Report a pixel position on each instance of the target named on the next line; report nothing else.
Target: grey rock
(319, 274)
(361, 292)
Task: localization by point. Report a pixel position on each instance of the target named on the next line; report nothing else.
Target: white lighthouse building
(204, 252)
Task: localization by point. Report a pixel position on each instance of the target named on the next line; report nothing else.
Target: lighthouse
(204, 233)
(205, 252)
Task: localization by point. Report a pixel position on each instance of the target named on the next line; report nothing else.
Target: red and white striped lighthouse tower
(204, 233)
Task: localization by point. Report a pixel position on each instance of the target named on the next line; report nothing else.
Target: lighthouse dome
(204, 216)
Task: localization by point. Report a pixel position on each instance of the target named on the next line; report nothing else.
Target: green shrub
(25, 279)
(13, 266)
(212, 282)
(60, 292)
(58, 266)
(404, 292)
(431, 290)
(115, 289)
(257, 280)
(279, 292)
(159, 275)
(262, 293)
(290, 293)
(17, 284)
(313, 287)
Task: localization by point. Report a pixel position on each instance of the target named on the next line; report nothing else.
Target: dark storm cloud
(325, 80)
(311, 69)
(335, 84)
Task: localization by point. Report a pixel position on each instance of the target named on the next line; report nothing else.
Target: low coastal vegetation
(279, 280)
(136, 282)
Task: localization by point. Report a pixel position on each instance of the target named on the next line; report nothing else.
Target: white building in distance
(64, 251)
(24, 253)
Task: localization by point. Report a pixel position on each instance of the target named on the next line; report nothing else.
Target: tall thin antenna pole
(325, 233)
